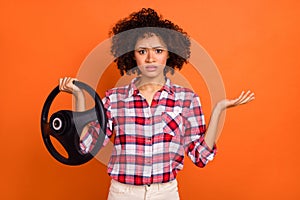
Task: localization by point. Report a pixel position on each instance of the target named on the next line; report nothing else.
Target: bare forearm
(212, 130)
(79, 101)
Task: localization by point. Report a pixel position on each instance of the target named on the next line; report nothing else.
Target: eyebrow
(155, 47)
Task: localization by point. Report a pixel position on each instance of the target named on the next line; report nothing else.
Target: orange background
(255, 45)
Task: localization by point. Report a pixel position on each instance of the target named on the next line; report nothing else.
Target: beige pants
(159, 191)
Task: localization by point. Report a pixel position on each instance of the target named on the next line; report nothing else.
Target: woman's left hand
(244, 98)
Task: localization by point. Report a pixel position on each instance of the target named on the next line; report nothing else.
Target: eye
(141, 51)
(159, 51)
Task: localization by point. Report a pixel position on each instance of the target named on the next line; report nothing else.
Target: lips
(151, 68)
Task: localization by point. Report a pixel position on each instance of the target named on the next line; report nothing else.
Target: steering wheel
(66, 126)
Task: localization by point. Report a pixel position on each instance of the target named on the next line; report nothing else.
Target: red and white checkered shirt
(150, 141)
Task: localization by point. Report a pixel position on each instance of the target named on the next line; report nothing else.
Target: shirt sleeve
(89, 138)
(195, 147)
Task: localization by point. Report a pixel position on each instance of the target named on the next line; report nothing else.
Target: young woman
(154, 122)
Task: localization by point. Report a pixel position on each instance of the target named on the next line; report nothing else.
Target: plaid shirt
(150, 141)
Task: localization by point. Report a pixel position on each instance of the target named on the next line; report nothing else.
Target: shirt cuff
(210, 152)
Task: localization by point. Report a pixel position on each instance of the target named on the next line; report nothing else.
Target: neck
(144, 83)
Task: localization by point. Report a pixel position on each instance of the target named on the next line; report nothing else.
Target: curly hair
(127, 31)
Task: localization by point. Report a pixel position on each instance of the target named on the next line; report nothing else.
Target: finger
(69, 83)
(240, 98)
(243, 97)
(65, 85)
(68, 79)
(60, 82)
(248, 99)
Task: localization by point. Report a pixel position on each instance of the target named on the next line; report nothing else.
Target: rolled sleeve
(196, 148)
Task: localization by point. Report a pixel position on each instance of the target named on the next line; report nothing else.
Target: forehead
(149, 40)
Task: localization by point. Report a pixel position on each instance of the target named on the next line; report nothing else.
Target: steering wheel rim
(68, 136)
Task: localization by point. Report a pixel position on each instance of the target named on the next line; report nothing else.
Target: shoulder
(120, 91)
(183, 91)
(185, 97)
(114, 95)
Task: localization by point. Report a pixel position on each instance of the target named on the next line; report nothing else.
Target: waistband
(154, 186)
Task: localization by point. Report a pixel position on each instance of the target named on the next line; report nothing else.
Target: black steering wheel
(66, 126)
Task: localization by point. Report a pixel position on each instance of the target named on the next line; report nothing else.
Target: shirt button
(148, 119)
(149, 141)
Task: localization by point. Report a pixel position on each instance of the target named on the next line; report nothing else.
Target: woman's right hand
(66, 85)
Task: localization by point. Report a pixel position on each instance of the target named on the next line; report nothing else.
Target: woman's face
(151, 56)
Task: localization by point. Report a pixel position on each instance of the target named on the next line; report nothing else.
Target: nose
(150, 56)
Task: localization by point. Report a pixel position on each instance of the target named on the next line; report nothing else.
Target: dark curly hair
(127, 31)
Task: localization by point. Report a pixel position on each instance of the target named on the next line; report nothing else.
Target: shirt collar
(168, 87)
(133, 90)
